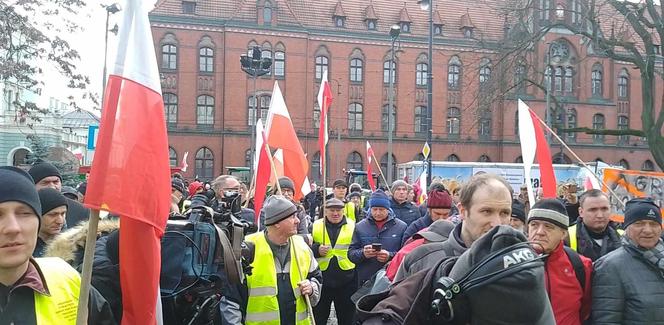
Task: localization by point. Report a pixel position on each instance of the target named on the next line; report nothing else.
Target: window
(485, 71)
(279, 64)
(316, 115)
(516, 124)
(623, 124)
(560, 12)
(577, 11)
(623, 84)
(571, 124)
(453, 121)
(569, 80)
(383, 165)
(596, 80)
(452, 157)
(267, 53)
(438, 29)
(467, 32)
(267, 14)
(315, 168)
(169, 57)
(264, 105)
(454, 73)
(171, 108)
(321, 65)
(623, 163)
(405, 27)
(421, 124)
(188, 7)
(421, 74)
(520, 78)
(206, 60)
(648, 166)
(558, 80)
(205, 110)
(484, 158)
(484, 127)
(598, 124)
(354, 161)
(355, 122)
(356, 68)
(204, 164)
(386, 72)
(384, 114)
(172, 157)
(371, 24)
(544, 7)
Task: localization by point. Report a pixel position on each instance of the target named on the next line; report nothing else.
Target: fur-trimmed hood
(70, 244)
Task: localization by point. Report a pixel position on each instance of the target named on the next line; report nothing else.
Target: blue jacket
(366, 233)
(407, 211)
(416, 226)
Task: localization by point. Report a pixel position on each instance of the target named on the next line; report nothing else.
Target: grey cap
(278, 208)
(439, 231)
(334, 203)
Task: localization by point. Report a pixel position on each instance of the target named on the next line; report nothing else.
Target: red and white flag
(324, 102)
(185, 165)
(130, 174)
(262, 170)
(533, 144)
(281, 135)
(370, 155)
(422, 184)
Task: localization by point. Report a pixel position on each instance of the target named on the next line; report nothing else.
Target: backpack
(577, 264)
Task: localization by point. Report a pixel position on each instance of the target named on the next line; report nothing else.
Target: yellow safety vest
(349, 210)
(573, 240)
(340, 249)
(263, 305)
(63, 283)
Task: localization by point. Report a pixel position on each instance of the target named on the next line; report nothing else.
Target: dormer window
(339, 21)
(438, 29)
(468, 32)
(405, 27)
(371, 24)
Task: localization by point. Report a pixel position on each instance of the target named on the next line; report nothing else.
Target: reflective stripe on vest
(63, 283)
(263, 304)
(573, 240)
(340, 249)
(349, 210)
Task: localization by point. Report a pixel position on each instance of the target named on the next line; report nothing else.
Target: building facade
(210, 106)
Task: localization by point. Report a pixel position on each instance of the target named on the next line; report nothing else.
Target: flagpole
(307, 300)
(379, 169)
(274, 169)
(615, 196)
(86, 274)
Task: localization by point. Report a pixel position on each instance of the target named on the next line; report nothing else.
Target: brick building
(209, 99)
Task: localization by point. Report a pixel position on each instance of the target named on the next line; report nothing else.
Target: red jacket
(571, 305)
(396, 261)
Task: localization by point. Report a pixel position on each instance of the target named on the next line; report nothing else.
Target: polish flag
(324, 102)
(533, 143)
(370, 155)
(281, 135)
(422, 184)
(130, 174)
(262, 170)
(184, 161)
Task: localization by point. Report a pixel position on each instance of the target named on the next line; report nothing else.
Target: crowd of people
(368, 257)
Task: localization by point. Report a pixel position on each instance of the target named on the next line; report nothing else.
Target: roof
(403, 15)
(466, 22)
(370, 13)
(339, 10)
(79, 119)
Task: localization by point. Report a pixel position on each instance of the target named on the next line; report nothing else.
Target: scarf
(654, 255)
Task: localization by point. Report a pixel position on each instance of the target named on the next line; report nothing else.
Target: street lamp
(255, 65)
(395, 30)
(427, 5)
(110, 9)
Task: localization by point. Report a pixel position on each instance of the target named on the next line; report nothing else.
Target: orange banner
(628, 184)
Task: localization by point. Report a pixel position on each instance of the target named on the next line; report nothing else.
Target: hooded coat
(70, 245)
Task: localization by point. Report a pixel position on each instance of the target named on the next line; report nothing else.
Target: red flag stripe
(547, 176)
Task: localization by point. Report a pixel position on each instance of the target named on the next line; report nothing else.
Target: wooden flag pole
(615, 196)
(274, 169)
(307, 300)
(86, 274)
(321, 209)
(379, 170)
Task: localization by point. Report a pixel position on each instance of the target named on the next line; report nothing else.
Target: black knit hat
(20, 187)
(519, 210)
(42, 170)
(641, 209)
(285, 182)
(551, 210)
(178, 185)
(50, 199)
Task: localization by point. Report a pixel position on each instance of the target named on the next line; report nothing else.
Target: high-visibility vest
(340, 248)
(573, 240)
(349, 210)
(263, 304)
(63, 283)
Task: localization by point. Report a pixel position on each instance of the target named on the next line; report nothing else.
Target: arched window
(204, 164)
(623, 163)
(485, 71)
(452, 157)
(267, 13)
(383, 165)
(560, 12)
(623, 84)
(321, 65)
(544, 9)
(569, 81)
(171, 108)
(598, 124)
(172, 157)
(623, 124)
(206, 59)
(354, 161)
(279, 63)
(558, 80)
(205, 110)
(263, 107)
(520, 74)
(596, 80)
(386, 72)
(356, 70)
(454, 73)
(421, 74)
(421, 124)
(648, 166)
(315, 175)
(571, 124)
(484, 126)
(453, 122)
(19, 157)
(266, 52)
(355, 118)
(484, 158)
(169, 56)
(384, 118)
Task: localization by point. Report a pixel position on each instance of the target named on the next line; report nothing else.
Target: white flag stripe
(528, 145)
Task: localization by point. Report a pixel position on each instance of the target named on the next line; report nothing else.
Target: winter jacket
(70, 245)
(413, 228)
(406, 211)
(76, 213)
(427, 255)
(106, 271)
(393, 267)
(334, 276)
(367, 233)
(586, 246)
(627, 289)
(570, 303)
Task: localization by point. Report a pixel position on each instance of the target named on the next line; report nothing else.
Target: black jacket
(76, 213)
(406, 211)
(587, 247)
(106, 271)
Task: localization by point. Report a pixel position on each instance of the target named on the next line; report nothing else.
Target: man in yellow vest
(35, 291)
(284, 269)
(332, 237)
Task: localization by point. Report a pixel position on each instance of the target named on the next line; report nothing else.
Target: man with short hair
(439, 204)
(227, 190)
(518, 219)
(403, 209)
(628, 283)
(339, 192)
(485, 202)
(593, 236)
(568, 274)
(54, 212)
